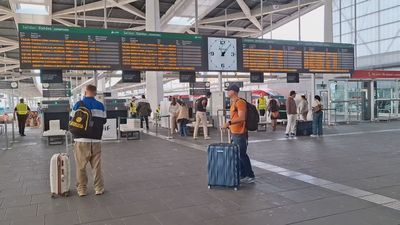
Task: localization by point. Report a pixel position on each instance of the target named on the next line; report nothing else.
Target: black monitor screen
(293, 78)
(187, 77)
(131, 76)
(256, 77)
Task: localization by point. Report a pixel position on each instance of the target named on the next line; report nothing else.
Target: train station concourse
(199, 112)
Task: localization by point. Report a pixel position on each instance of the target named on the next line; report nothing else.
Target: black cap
(233, 87)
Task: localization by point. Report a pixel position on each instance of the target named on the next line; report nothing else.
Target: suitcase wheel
(53, 195)
(235, 188)
(209, 186)
(66, 194)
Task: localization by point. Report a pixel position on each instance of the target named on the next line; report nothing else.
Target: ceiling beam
(5, 17)
(7, 41)
(11, 67)
(236, 29)
(65, 22)
(257, 12)
(101, 19)
(247, 12)
(5, 10)
(138, 28)
(130, 9)
(99, 5)
(5, 60)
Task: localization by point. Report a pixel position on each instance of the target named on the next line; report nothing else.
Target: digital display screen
(256, 77)
(187, 77)
(293, 78)
(131, 76)
(51, 76)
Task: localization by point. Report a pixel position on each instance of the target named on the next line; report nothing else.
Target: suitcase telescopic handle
(228, 134)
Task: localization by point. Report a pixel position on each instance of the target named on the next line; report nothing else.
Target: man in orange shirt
(237, 126)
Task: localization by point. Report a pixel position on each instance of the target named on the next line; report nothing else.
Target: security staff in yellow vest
(262, 104)
(22, 111)
(132, 107)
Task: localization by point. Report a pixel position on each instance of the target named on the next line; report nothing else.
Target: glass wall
(377, 24)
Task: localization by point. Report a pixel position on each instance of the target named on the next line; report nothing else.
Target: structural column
(154, 80)
(328, 21)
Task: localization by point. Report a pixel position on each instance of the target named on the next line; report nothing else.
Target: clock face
(222, 54)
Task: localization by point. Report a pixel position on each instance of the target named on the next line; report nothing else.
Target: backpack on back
(199, 104)
(252, 116)
(274, 105)
(80, 125)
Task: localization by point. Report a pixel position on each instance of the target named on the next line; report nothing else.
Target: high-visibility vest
(22, 109)
(262, 103)
(132, 107)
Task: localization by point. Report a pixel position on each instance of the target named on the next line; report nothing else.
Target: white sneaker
(207, 138)
(312, 135)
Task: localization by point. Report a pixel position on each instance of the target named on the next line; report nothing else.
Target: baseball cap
(233, 87)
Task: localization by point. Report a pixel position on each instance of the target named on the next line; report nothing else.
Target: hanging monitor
(293, 78)
(51, 76)
(187, 77)
(256, 77)
(131, 76)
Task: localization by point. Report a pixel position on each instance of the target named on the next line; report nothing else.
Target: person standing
(273, 109)
(302, 108)
(318, 115)
(39, 114)
(21, 111)
(133, 107)
(88, 149)
(291, 112)
(237, 127)
(201, 115)
(144, 110)
(183, 118)
(262, 104)
(173, 114)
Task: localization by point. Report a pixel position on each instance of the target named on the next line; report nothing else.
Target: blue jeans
(245, 165)
(317, 123)
(183, 130)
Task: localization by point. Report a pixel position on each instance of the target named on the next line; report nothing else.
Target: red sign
(375, 74)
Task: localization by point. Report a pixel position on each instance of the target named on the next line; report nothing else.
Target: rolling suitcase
(223, 165)
(60, 175)
(304, 128)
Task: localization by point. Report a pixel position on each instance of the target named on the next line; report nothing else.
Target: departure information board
(161, 51)
(76, 48)
(271, 55)
(264, 55)
(48, 47)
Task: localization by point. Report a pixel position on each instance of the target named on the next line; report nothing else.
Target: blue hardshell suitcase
(223, 165)
(303, 128)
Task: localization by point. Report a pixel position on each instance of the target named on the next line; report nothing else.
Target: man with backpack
(144, 110)
(243, 117)
(201, 115)
(88, 118)
(273, 109)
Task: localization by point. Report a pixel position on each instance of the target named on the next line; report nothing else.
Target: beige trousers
(88, 152)
(200, 117)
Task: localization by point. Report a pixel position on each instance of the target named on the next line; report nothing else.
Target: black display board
(56, 93)
(237, 83)
(187, 77)
(256, 77)
(293, 78)
(8, 85)
(131, 76)
(51, 76)
(199, 88)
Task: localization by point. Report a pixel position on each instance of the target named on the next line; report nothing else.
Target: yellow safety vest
(262, 103)
(132, 107)
(22, 109)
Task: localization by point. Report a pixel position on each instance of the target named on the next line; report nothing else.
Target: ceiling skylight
(181, 21)
(37, 9)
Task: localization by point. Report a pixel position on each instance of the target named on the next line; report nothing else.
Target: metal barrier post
(169, 128)
(6, 136)
(13, 131)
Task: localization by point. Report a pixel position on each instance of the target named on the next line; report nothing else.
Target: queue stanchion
(13, 131)
(169, 127)
(6, 137)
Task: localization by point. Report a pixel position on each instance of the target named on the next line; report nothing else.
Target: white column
(154, 80)
(328, 21)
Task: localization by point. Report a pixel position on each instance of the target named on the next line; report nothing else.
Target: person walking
(173, 115)
(88, 149)
(144, 110)
(273, 109)
(201, 115)
(302, 108)
(291, 112)
(21, 112)
(237, 127)
(318, 115)
(133, 107)
(183, 118)
(262, 104)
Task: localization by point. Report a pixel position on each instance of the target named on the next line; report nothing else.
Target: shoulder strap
(81, 103)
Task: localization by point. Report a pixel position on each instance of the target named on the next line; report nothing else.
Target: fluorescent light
(181, 21)
(36, 9)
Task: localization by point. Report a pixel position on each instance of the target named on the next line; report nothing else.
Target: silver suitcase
(60, 173)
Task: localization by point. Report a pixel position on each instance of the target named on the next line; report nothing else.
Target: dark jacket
(143, 108)
(98, 116)
(291, 108)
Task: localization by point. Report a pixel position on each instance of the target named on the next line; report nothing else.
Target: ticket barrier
(55, 120)
(115, 108)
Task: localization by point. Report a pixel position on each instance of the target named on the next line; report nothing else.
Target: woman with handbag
(318, 115)
(273, 109)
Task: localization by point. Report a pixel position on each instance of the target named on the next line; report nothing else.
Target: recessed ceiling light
(36, 9)
(181, 21)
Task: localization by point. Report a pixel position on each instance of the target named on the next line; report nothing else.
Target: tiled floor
(300, 181)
